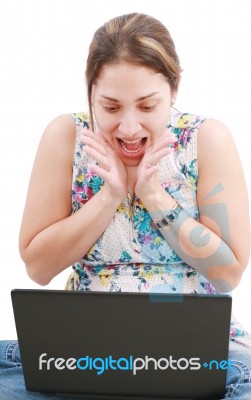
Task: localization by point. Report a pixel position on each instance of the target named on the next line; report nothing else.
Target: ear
(174, 92)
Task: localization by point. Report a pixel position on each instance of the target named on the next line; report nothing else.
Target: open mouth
(132, 147)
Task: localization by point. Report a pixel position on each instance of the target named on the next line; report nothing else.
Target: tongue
(133, 146)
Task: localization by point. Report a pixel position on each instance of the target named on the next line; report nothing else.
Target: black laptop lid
(123, 344)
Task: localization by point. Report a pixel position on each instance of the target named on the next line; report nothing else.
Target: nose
(129, 124)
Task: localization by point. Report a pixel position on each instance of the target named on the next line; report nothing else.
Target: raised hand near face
(110, 167)
(148, 183)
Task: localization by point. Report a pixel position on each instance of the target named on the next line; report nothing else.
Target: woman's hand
(111, 169)
(148, 183)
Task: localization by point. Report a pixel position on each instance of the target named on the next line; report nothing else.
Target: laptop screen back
(123, 344)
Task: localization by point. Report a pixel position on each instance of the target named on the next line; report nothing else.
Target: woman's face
(131, 106)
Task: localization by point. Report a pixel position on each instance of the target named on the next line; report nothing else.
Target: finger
(107, 145)
(101, 139)
(168, 133)
(160, 149)
(150, 171)
(156, 157)
(152, 159)
(100, 172)
(92, 142)
(164, 144)
(99, 157)
(163, 140)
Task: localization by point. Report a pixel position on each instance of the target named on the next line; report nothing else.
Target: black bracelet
(170, 217)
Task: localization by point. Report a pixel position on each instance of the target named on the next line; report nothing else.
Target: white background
(43, 48)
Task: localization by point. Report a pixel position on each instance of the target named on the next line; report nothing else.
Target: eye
(110, 109)
(148, 108)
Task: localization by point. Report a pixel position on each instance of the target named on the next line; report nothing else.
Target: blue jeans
(12, 385)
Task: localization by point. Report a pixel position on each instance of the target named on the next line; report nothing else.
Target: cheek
(106, 135)
(156, 131)
(104, 130)
(158, 122)
(104, 125)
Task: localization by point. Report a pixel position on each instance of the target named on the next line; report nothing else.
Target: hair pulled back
(136, 39)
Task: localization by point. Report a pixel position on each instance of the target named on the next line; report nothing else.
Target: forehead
(127, 79)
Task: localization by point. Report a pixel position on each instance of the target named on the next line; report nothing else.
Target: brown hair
(133, 38)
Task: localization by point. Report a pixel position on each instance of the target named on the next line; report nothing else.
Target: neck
(132, 177)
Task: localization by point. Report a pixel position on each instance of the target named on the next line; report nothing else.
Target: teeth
(131, 141)
(124, 144)
(131, 151)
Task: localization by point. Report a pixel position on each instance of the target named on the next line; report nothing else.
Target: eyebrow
(139, 99)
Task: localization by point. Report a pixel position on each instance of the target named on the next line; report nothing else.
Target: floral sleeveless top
(132, 255)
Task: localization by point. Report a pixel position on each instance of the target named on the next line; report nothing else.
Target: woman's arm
(218, 245)
(223, 199)
(51, 239)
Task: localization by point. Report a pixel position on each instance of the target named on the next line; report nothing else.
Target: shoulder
(58, 140)
(211, 133)
(66, 124)
(185, 121)
(62, 126)
(214, 129)
(216, 148)
(62, 130)
(214, 137)
(185, 127)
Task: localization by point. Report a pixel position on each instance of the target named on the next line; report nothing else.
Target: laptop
(113, 345)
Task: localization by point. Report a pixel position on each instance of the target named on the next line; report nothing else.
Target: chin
(131, 163)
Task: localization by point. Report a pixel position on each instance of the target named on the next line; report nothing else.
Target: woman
(151, 204)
